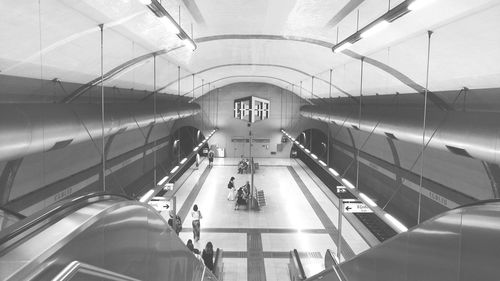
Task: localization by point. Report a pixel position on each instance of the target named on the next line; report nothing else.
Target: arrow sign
(356, 207)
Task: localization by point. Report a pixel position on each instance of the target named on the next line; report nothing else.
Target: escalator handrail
(13, 213)
(477, 203)
(66, 205)
(300, 268)
(75, 266)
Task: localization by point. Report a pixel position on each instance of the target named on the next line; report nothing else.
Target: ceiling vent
(459, 151)
(391, 136)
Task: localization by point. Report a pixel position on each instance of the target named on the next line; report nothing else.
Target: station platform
(299, 214)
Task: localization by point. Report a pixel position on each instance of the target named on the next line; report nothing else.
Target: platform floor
(256, 244)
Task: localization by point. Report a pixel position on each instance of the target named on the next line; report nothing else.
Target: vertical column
(103, 155)
(429, 33)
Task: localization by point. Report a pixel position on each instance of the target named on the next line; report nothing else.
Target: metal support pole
(154, 120)
(328, 125)
(103, 155)
(359, 123)
(339, 241)
(429, 33)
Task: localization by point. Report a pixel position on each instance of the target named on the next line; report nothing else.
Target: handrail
(218, 263)
(75, 266)
(10, 212)
(330, 259)
(295, 259)
(477, 203)
(24, 225)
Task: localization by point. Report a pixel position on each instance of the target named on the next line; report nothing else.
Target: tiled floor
(260, 240)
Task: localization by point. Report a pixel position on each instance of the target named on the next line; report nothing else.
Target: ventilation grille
(459, 151)
(60, 144)
(391, 136)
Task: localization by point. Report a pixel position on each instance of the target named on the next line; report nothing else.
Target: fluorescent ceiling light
(335, 173)
(174, 169)
(146, 196)
(314, 156)
(367, 200)
(283, 131)
(145, 2)
(292, 139)
(417, 4)
(196, 148)
(183, 161)
(163, 180)
(307, 150)
(322, 163)
(374, 29)
(171, 26)
(301, 146)
(348, 184)
(296, 142)
(396, 223)
(342, 47)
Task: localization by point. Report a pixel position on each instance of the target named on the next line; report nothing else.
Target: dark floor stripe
(347, 252)
(256, 270)
(258, 230)
(184, 210)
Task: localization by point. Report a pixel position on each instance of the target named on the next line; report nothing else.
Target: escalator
(97, 237)
(461, 244)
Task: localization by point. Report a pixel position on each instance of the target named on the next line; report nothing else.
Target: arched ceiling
(281, 42)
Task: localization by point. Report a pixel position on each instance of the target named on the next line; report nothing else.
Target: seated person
(241, 198)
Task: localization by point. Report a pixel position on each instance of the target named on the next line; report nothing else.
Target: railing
(218, 264)
(330, 259)
(34, 222)
(295, 267)
(76, 267)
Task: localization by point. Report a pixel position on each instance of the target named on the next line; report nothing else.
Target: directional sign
(341, 189)
(169, 186)
(356, 207)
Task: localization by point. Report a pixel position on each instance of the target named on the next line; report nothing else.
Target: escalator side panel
(480, 244)
(128, 237)
(429, 252)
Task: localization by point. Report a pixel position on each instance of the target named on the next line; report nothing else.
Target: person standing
(211, 158)
(208, 256)
(196, 216)
(230, 186)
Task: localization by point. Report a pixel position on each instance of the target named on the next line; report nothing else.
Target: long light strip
(348, 183)
(367, 199)
(146, 196)
(163, 180)
(174, 169)
(398, 226)
(417, 4)
(183, 161)
(396, 223)
(171, 25)
(314, 156)
(335, 173)
(376, 25)
(375, 29)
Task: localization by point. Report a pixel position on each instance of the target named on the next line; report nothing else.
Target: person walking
(196, 216)
(232, 190)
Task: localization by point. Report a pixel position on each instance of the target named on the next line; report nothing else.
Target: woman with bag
(196, 216)
(230, 186)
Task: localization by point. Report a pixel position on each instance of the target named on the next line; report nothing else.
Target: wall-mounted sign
(251, 109)
(350, 206)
